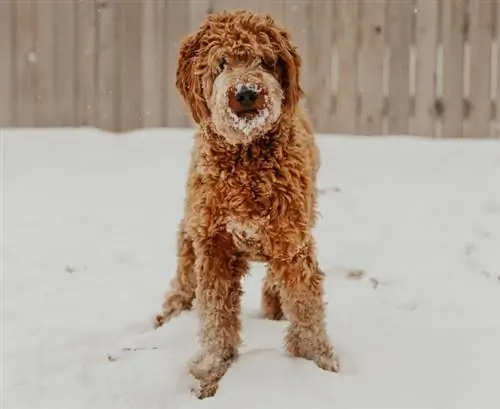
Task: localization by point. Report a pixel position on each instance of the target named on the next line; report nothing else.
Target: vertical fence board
(198, 10)
(481, 37)
(45, 54)
(178, 17)
(319, 57)
(25, 62)
(371, 68)
(297, 22)
(197, 13)
(107, 68)
(7, 47)
(496, 126)
(130, 29)
(426, 48)
(86, 63)
(399, 39)
(453, 67)
(240, 5)
(265, 6)
(276, 9)
(347, 19)
(154, 61)
(65, 61)
(257, 6)
(221, 5)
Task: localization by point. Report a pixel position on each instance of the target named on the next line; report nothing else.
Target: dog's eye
(222, 63)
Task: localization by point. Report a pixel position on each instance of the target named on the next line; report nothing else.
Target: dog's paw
(175, 304)
(273, 315)
(330, 363)
(159, 320)
(317, 348)
(208, 368)
(203, 390)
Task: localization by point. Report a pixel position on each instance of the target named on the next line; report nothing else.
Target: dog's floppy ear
(189, 79)
(290, 63)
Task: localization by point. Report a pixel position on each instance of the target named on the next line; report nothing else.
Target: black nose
(246, 96)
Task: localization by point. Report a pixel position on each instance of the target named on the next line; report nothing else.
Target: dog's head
(241, 72)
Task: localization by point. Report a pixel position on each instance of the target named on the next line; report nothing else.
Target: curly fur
(250, 196)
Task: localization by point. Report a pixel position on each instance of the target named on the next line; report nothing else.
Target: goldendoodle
(250, 195)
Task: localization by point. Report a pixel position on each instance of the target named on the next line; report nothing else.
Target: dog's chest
(245, 192)
(245, 198)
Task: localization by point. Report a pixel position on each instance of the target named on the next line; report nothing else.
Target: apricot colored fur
(251, 201)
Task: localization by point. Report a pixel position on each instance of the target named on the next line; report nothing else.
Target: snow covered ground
(409, 237)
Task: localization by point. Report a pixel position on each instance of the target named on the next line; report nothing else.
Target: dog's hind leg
(181, 294)
(270, 301)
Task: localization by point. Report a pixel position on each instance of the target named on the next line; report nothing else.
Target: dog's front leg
(220, 269)
(301, 294)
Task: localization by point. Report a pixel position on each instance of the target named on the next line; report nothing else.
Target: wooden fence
(422, 67)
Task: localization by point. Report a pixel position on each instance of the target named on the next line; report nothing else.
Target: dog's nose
(246, 96)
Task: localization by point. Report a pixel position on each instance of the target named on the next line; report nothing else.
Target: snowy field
(409, 237)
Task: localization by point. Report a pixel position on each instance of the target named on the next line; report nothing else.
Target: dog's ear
(289, 63)
(189, 79)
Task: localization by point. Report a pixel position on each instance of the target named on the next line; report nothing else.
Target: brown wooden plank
(371, 68)
(297, 22)
(254, 6)
(318, 56)
(347, 29)
(265, 6)
(496, 126)
(25, 62)
(426, 48)
(258, 6)
(7, 46)
(453, 67)
(107, 66)
(153, 64)
(399, 24)
(177, 27)
(65, 62)
(198, 10)
(130, 43)
(481, 37)
(276, 8)
(86, 63)
(227, 5)
(45, 100)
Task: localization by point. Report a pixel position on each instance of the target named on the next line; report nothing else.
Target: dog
(250, 194)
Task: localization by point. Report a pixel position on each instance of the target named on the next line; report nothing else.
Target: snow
(409, 237)
(247, 125)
